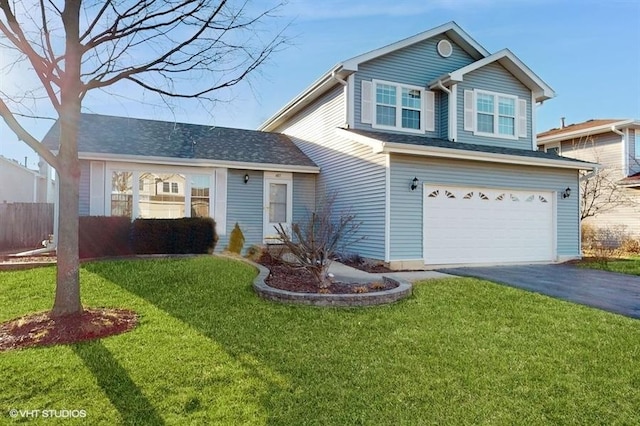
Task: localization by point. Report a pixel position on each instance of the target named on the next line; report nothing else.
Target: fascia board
(169, 161)
(430, 151)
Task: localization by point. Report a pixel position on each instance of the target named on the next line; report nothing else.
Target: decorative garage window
(395, 106)
(495, 114)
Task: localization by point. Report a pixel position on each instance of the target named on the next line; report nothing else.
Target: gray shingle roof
(103, 134)
(443, 143)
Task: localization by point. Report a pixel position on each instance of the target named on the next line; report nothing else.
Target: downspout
(452, 106)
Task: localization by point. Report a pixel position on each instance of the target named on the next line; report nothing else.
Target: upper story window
(387, 105)
(494, 114)
(170, 187)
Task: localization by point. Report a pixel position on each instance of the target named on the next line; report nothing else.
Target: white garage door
(477, 225)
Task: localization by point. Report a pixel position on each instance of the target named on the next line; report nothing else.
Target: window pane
(485, 123)
(164, 196)
(507, 106)
(410, 119)
(385, 115)
(200, 187)
(637, 143)
(385, 94)
(121, 193)
(485, 103)
(506, 125)
(277, 203)
(411, 98)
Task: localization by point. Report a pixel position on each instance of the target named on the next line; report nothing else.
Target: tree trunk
(67, 300)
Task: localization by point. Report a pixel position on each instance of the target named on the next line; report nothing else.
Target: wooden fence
(25, 225)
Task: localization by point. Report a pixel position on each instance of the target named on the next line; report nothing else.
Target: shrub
(174, 236)
(630, 246)
(236, 240)
(313, 243)
(102, 236)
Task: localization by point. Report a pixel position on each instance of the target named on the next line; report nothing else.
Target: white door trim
(269, 232)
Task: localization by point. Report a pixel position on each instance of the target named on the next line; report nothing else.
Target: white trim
(177, 162)
(603, 128)
(366, 102)
(429, 111)
(399, 107)
(496, 115)
(219, 213)
(541, 90)
(351, 100)
(521, 118)
(469, 107)
(554, 224)
(277, 178)
(387, 208)
(453, 113)
(626, 142)
(461, 154)
(97, 188)
(534, 143)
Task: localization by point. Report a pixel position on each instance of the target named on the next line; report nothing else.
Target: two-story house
(431, 142)
(612, 193)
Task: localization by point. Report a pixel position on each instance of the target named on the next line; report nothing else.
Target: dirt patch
(41, 329)
(285, 277)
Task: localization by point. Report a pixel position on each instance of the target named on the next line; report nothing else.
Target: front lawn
(208, 351)
(630, 265)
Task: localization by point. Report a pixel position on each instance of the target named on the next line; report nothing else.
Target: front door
(277, 204)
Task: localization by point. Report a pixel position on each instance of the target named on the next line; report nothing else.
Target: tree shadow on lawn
(117, 385)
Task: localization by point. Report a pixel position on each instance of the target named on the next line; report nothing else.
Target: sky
(588, 51)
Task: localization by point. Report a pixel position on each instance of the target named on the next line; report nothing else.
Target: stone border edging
(267, 292)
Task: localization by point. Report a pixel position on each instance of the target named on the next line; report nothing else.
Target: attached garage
(474, 225)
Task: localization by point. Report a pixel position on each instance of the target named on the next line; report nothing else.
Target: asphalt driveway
(610, 291)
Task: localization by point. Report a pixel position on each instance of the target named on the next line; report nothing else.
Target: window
(637, 144)
(121, 193)
(200, 189)
(553, 149)
(495, 114)
(397, 106)
(277, 203)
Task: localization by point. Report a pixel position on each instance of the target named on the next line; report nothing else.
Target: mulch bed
(41, 329)
(285, 277)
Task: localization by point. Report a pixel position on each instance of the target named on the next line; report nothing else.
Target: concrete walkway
(348, 274)
(610, 291)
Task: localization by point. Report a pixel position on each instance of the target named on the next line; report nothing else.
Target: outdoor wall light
(246, 178)
(414, 183)
(566, 193)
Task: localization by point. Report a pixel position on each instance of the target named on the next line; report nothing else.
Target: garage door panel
(478, 225)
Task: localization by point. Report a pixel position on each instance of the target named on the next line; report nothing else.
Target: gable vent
(444, 48)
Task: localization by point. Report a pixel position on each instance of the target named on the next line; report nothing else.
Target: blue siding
(444, 114)
(244, 206)
(304, 195)
(406, 205)
(417, 65)
(85, 173)
(494, 78)
(348, 169)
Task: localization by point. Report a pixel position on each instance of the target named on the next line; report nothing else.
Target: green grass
(208, 351)
(629, 265)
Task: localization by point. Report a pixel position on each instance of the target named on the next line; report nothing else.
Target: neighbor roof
(589, 127)
(633, 180)
(421, 145)
(133, 137)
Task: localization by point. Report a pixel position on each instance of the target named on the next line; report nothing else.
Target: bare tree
(314, 242)
(186, 49)
(599, 190)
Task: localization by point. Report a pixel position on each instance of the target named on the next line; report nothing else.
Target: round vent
(444, 48)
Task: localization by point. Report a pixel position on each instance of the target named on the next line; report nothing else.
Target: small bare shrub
(630, 246)
(361, 289)
(312, 244)
(378, 286)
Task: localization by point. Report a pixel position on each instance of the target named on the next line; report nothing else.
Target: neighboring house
(154, 169)
(615, 145)
(19, 184)
(431, 142)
